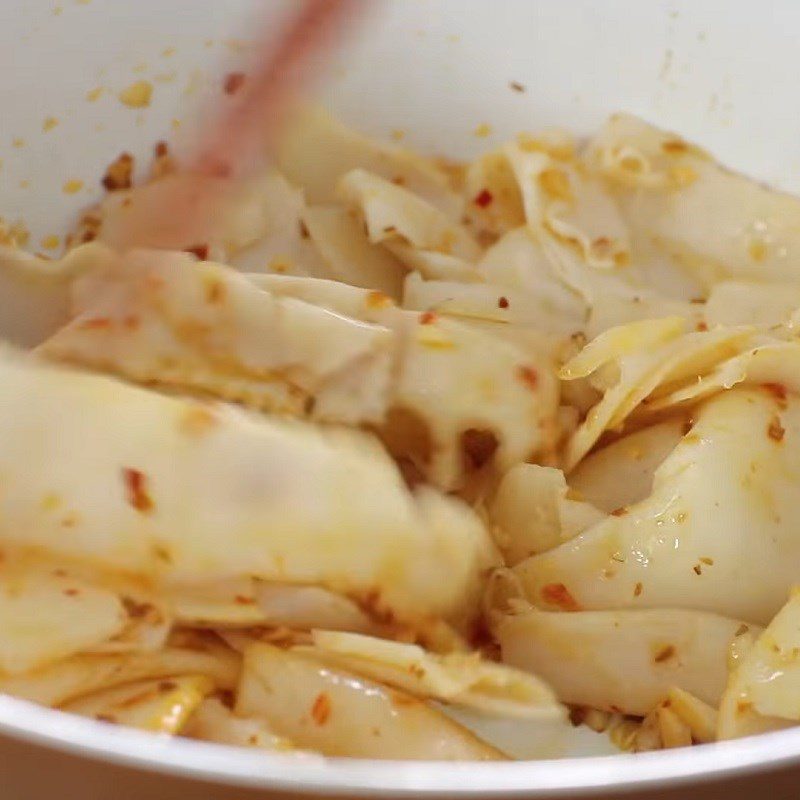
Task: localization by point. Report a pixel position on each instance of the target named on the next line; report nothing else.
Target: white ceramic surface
(722, 72)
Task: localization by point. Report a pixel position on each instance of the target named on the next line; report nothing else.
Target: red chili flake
(242, 600)
(399, 180)
(483, 198)
(664, 654)
(778, 391)
(427, 317)
(502, 302)
(71, 592)
(529, 376)
(557, 594)
(233, 82)
(136, 490)
(161, 149)
(637, 590)
(131, 322)
(701, 326)
(619, 512)
(199, 250)
(775, 430)
(321, 709)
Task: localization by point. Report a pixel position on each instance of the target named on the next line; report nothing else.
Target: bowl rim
(317, 775)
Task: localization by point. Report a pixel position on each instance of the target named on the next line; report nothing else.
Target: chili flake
(136, 490)
(427, 317)
(557, 594)
(321, 710)
(775, 430)
(778, 391)
(233, 82)
(483, 198)
(664, 654)
(199, 250)
(529, 376)
(502, 302)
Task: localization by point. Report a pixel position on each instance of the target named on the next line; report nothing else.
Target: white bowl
(721, 72)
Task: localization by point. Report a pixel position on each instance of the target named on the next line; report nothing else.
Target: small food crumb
(516, 86)
(168, 51)
(50, 242)
(49, 123)
(637, 590)
(18, 142)
(483, 130)
(137, 95)
(24, 183)
(72, 186)
(502, 302)
(119, 173)
(95, 94)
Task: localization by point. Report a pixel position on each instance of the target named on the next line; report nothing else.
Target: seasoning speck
(49, 123)
(515, 86)
(72, 186)
(94, 94)
(483, 130)
(137, 95)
